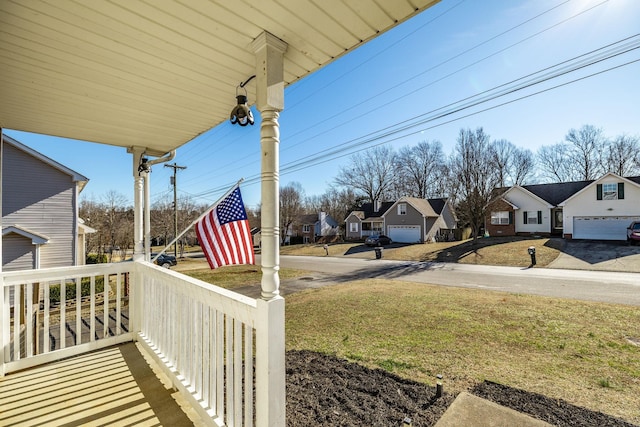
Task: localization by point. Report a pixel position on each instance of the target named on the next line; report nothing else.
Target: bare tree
(335, 202)
(503, 156)
(585, 156)
(162, 218)
(622, 156)
(291, 197)
(474, 176)
(371, 173)
(93, 214)
(419, 168)
(552, 162)
(118, 225)
(522, 166)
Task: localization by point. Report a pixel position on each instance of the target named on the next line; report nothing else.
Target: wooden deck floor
(115, 386)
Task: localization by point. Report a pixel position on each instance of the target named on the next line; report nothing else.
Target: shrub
(96, 259)
(70, 289)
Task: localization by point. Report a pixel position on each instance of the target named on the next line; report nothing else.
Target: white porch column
(135, 280)
(270, 345)
(270, 101)
(138, 205)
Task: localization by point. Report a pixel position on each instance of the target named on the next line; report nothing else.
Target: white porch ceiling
(157, 73)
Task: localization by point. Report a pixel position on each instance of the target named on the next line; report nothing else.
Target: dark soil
(326, 391)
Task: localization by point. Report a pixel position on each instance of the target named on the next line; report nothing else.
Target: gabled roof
(555, 193)
(84, 228)
(438, 205)
(421, 205)
(75, 176)
(36, 238)
(558, 192)
(634, 180)
(370, 213)
(357, 214)
(531, 193)
(307, 219)
(515, 208)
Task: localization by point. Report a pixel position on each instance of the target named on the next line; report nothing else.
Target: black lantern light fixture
(144, 166)
(241, 113)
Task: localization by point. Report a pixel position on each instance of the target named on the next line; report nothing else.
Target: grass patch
(230, 276)
(561, 348)
(508, 251)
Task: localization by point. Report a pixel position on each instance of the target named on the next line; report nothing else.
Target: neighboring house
(414, 220)
(40, 224)
(366, 221)
(602, 210)
(597, 209)
(408, 220)
(310, 227)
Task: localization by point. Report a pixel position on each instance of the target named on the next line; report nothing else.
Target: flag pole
(206, 211)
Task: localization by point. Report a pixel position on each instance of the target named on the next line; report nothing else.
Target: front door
(557, 221)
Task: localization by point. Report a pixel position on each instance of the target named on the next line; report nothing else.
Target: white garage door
(601, 227)
(404, 233)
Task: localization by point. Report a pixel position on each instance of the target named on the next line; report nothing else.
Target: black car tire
(165, 265)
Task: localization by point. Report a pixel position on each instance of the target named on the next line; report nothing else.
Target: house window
(377, 227)
(609, 191)
(353, 227)
(306, 228)
(532, 217)
(500, 218)
(402, 209)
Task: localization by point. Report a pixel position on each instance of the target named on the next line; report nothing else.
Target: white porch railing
(51, 314)
(205, 338)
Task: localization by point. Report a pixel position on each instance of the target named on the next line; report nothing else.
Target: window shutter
(524, 217)
(510, 217)
(599, 192)
(621, 190)
(539, 217)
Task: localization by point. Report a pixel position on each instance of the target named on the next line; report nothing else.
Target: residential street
(610, 287)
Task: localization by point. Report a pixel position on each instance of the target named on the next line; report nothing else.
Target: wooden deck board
(115, 386)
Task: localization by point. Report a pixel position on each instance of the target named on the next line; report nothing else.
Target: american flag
(224, 233)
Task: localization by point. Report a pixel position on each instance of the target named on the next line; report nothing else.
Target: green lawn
(577, 351)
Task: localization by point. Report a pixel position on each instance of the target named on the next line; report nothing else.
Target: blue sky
(454, 51)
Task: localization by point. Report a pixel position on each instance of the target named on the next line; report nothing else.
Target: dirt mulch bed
(326, 391)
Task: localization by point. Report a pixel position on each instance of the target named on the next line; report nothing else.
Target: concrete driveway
(598, 255)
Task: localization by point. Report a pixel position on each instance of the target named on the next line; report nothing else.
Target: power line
(400, 97)
(458, 106)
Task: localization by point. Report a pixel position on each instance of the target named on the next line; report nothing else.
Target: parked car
(633, 232)
(377, 240)
(165, 260)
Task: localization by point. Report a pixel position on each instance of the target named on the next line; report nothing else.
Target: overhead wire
(458, 106)
(310, 157)
(413, 90)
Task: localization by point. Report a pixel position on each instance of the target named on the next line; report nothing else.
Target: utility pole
(175, 204)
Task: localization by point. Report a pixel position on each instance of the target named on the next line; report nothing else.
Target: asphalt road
(601, 286)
